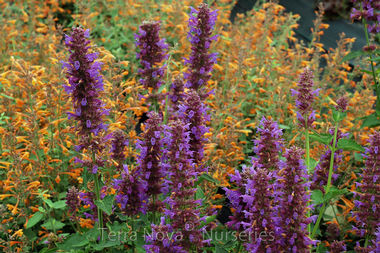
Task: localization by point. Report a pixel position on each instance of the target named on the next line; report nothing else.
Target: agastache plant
(292, 209)
(369, 12)
(152, 50)
(200, 62)
(194, 112)
(119, 142)
(367, 213)
(149, 167)
(182, 210)
(85, 85)
(269, 145)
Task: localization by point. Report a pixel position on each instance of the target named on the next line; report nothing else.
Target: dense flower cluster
(177, 90)
(182, 208)
(367, 213)
(119, 142)
(83, 73)
(305, 97)
(293, 204)
(341, 104)
(130, 193)
(259, 211)
(150, 168)
(370, 11)
(202, 25)
(338, 247)
(194, 112)
(73, 201)
(321, 171)
(152, 51)
(268, 146)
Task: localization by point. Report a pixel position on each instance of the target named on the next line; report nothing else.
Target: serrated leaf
(207, 177)
(106, 204)
(371, 121)
(53, 224)
(59, 204)
(199, 194)
(334, 193)
(34, 220)
(321, 138)
(349, 145)
(353, 55)
(317, 197)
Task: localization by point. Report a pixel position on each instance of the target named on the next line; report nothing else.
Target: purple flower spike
(341, 104)
(152, 51)
(86, 83)
(194, 112)
(294, 201)
(368, 10)
(367, 211)
(183, 211)
(305, 97)
(202, 25)
(130, 191)
(149, 161)
(119, 142)
(338, 247)
(268, 146)
(73, 202)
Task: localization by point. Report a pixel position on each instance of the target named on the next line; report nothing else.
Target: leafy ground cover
(160, 126)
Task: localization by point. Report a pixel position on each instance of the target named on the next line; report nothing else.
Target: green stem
(307, 137)
(322, 210)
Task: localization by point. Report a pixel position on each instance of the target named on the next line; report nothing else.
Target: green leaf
(107, 244)
(207, 177)
(358, 157)
(219, 249)
(371, 121)
(53, 224)
(338, 116)
(313, 164)
(321, 138)
(334, 193)
(59, 204)
(317, 197)
(199, 194)
(349, 145)
(49, 202)
(106, 204)
(73, 242)
(353, 55)
(34, 220)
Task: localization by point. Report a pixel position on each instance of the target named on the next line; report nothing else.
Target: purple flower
(119, 142)
(202, 25)
(338, 247)
(149, 164)
(341, 104)
(193, 112)
(321, 171)
(293, 204)
(181, 208)
(367, 213)
(152, 51)
(305, 97)
(268, 146)
(85, 84)
(368, 10)
(73, 201)
(177, 90)
(130, 193)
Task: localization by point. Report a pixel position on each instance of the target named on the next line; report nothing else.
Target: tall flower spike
(85, 84)
(73, 202)
(268, 146)
(321, 172)
(367, 211)
(183, 210)
(370, 11)
(194, 113)
(149, 160)
(202, 25)
(293, 204)
(259, 211)
(177, 90)
(152, 51)
(305, 98)
(119, 142)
